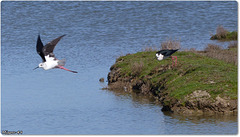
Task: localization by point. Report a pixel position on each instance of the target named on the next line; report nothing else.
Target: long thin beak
(36, 67)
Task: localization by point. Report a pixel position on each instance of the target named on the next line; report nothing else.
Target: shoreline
(169, 85)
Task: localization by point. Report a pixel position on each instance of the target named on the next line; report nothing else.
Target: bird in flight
(49, 61)
(163, 54)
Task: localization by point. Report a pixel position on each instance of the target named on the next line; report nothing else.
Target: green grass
(193, 72)
(228, 36)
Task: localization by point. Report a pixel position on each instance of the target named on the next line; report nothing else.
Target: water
(60, 102)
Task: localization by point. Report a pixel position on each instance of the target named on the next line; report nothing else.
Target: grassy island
(224, 35)
(199, 83)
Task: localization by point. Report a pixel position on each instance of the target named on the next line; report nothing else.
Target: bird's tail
(62, 62)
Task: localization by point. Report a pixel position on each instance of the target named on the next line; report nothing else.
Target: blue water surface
(61, 102)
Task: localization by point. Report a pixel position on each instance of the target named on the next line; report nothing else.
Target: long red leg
(61, 67)
(175, 62)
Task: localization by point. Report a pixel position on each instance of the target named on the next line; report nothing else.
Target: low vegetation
(228, 55)
(223, 34)
(170, 44)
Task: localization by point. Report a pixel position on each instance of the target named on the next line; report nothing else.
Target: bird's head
(40, 65)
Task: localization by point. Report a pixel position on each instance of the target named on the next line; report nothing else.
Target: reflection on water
(204, 124)
(203, 118)
(135, 97)
(181, 124)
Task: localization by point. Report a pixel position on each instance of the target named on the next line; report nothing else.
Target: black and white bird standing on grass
(48, 58)
(163, 54)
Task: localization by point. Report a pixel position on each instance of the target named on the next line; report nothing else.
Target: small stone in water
(101, 79)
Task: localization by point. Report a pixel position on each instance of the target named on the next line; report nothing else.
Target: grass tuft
(170, 44)
(136, 68)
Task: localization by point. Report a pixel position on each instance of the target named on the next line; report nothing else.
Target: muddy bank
(184, 89)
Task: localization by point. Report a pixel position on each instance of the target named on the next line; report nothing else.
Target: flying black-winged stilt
(163, 54)
(48, 58)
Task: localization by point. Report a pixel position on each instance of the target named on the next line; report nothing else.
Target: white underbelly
(50, 65)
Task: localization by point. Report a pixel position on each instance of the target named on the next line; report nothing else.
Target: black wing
(39, 48)
(167, 53)
(49, 47)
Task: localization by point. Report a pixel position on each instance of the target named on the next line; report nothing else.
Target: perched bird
(163, 54)
(49, 61)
